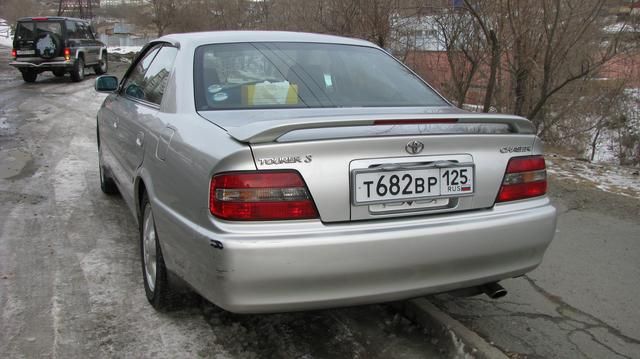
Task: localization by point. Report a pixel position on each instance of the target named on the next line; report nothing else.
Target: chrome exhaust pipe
(494, 290)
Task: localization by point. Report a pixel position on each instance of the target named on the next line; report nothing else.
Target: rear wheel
(103, 66)
(157, 287)
(77, 74)
(29, 75)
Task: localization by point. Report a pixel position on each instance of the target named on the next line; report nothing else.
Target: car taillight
(525, 177)
(67, 53)
(260, 196)
(14, 53)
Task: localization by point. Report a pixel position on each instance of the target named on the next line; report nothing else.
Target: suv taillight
(67, 53)
(525, 177)
(14, 53)
(260, 196)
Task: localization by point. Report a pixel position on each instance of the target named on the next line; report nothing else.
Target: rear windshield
(299, 75)
(31, 30)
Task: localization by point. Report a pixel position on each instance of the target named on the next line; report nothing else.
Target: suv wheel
(77, 74)
(103, 66)
(29, 75)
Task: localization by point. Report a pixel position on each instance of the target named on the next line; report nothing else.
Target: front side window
(85, 31)
(148, 80)
(282, 75)
(134, 83)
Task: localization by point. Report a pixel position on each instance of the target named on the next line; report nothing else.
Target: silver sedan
(275, 171)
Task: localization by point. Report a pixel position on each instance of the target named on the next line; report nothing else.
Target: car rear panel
(356, 254)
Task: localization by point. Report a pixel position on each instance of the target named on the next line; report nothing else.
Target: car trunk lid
(331, 150)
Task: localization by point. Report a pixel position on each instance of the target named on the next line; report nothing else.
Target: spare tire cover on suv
(48, 45)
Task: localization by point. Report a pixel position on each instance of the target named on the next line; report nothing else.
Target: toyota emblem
(414, 147)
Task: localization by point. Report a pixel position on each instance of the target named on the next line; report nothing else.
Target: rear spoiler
(270, 131)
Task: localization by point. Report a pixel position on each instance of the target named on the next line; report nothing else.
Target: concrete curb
(463, 342)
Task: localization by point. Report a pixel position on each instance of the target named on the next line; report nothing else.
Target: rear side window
(73, 30)
(157, 75)
(282, 75)
(148, 80)
(31, 30)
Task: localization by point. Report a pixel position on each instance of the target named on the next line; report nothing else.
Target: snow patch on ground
(126, 323)
(621, 27)
(123, 49)
(459, 348)
(607, 177)
(5, 34)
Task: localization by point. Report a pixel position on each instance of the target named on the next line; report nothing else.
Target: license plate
(412, 184)
(26, 52)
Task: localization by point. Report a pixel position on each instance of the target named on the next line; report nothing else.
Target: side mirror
(106, 83)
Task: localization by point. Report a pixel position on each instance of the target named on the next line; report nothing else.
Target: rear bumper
(55, 63)
(320, 265)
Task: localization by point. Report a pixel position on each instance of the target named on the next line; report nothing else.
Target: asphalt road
(70, 276)
(70, 282)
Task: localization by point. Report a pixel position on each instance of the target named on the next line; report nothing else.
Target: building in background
(78, 8)
(111, 3)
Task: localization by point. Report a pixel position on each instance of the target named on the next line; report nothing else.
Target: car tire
(158, 289)
(58, 72)
(29, 75)
(77, 74)
(103, 66)
(107, 184)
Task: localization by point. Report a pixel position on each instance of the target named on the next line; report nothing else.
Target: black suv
(56, 44)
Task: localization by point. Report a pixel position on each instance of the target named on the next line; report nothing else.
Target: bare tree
(163, 14)
(459, 34)
(490, 24)
(554, 44)
(12, 10)
(376, 20)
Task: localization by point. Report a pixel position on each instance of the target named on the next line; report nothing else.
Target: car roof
(54, 18)
(195, 39)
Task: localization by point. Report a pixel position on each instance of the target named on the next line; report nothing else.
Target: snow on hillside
(607, 177)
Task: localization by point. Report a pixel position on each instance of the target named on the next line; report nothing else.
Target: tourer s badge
(284, 160)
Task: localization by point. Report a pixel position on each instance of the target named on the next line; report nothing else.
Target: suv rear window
(282, 75)
(31, 30)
